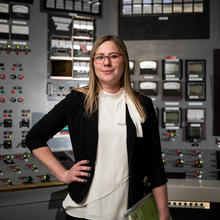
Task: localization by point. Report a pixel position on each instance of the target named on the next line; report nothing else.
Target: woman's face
(109, 65)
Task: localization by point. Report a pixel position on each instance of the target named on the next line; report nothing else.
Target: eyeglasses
(113, 57)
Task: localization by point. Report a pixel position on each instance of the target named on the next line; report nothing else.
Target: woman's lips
(107, 71)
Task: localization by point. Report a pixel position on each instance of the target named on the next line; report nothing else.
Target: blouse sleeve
(49, 125)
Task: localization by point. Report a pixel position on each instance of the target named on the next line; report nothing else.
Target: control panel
(24, 171)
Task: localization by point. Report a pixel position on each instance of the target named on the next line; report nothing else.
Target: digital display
(157, 9)
(196, 90)
(198, 7)
(137, 9)
(147, 9)
(84, 6)
(177, 8)
(126, 10)
(195, 68)
(172, 68)
(172, 117)
(188, 8)
(167, 1)
(167, 8)
(126, 1)
(62, 68)
(194, 132)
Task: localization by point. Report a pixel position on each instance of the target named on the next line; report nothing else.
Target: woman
(115, 138)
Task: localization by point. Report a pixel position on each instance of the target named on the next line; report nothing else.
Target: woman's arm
(161, 198)
(56, 168)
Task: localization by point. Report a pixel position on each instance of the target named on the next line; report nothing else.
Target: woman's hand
(78, 170)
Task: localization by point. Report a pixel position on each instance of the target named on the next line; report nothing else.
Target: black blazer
(144, 154)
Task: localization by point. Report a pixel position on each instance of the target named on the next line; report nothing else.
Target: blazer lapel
(131, 136)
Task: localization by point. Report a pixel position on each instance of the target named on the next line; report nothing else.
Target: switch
(24, 123)
(180, 153)
(23, 144)
(2, 76)
(2, 99)
(20, 99)
(7, 123)
(20, 76)
(179, 162)
(26, 179)
(13, 76)
(7, 144)
(8, 160)
(12, 99)
(199, 163)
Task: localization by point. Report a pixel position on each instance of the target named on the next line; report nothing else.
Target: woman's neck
(110, 89)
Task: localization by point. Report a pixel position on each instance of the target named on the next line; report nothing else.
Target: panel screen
(195, 91)
(61, 68)
(195, 69)
(172, 69)
(163, 19)
(172, 117)
(88, 7)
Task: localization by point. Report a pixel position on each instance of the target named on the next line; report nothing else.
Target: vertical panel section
(216, 119)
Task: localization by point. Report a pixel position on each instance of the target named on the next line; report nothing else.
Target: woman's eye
(113, 56)
(100, 57)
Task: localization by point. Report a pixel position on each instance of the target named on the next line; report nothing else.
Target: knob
(12, 76)
(2, 76)
(20, 77)
(20, 99)
(2, 99)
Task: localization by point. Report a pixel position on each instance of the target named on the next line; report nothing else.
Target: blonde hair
(92, 89)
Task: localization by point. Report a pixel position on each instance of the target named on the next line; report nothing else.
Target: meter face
(195, 115)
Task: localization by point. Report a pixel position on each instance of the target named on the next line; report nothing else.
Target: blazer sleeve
(54, 121)
(155, 165)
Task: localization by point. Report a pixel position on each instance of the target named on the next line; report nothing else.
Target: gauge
(172, 86)
(195, 115)
(23, 9)
(148, 85)
(20, 11)
(148, 67)
(4, 8)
